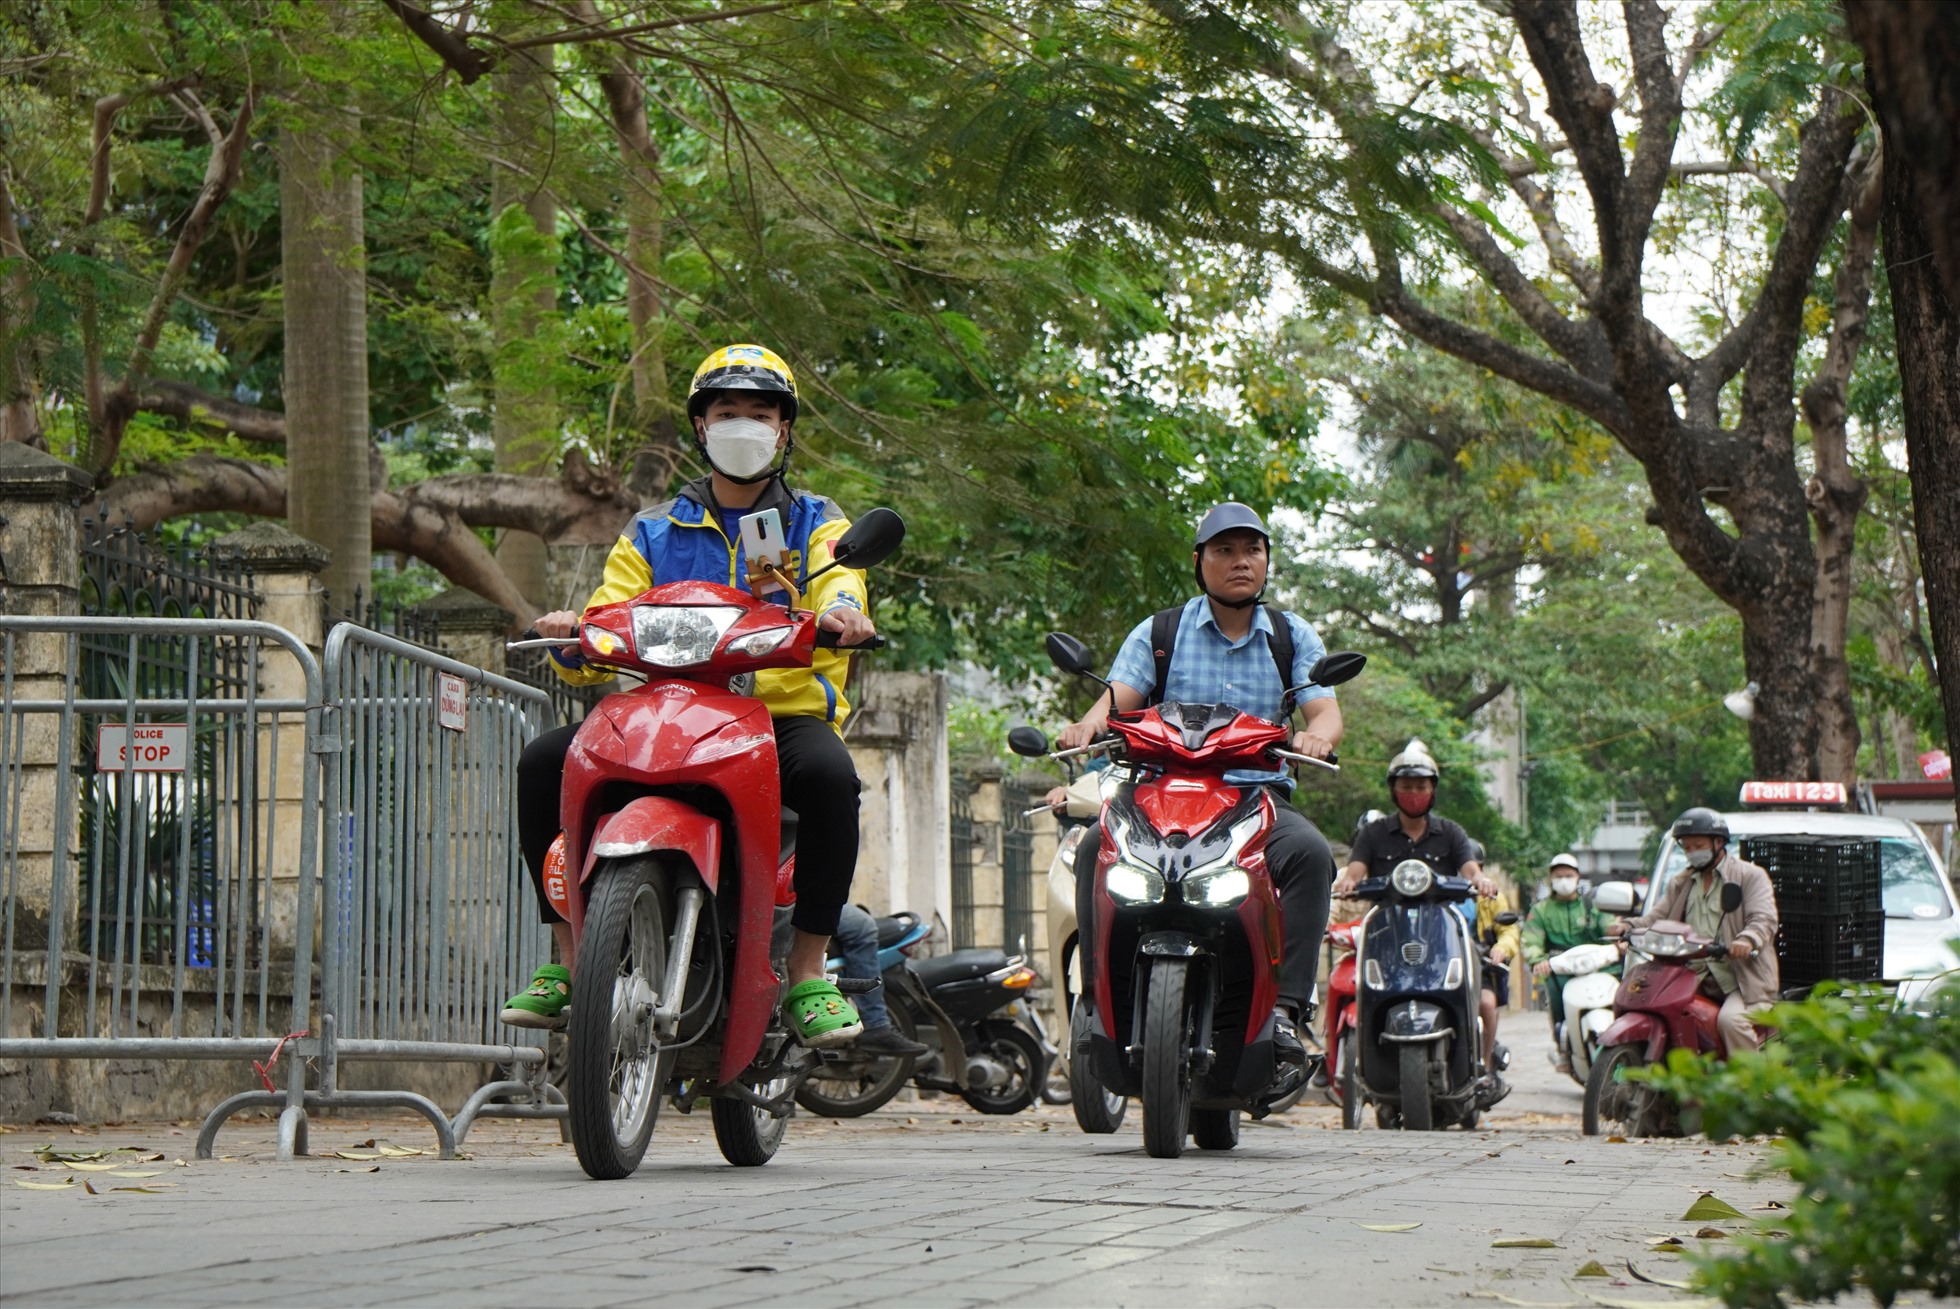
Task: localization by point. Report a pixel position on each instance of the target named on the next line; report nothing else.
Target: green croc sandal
(545, 1003)
(820, 1015)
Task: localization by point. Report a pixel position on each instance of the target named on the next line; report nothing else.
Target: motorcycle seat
(959, 966)
(893, 929)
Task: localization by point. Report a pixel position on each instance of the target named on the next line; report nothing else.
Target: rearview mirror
(1028, 742)
(1333, 669)
(1508, 917)
(1731, 897)
(871, 539)
(1614, 898)
(1069, 654)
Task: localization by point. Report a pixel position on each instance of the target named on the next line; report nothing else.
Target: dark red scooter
(675, 829)
(1659, 1007)
(1186, 941)
(1343, 1052)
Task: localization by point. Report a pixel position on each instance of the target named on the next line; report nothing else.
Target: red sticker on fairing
(556, 889)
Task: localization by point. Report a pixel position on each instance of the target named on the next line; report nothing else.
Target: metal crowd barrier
(194, 845)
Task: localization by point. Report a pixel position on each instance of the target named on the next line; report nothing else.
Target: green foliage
(1869, 1097)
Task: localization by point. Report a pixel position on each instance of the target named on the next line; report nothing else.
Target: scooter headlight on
(1412, 878)
(678, 636)
(1134, 884)
(1661, 945)
(1218, 890)
(757, 644)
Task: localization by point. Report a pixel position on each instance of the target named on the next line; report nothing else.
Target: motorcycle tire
(614, 1063)
(1417, 1112)
(854, 1086)
(1020, 1051)
(1098, 1110)
(1215, 1129)
(1167, 1061)
(746, 1135)
(1603, 1082)
(1351, 1106)
(1471, 1117)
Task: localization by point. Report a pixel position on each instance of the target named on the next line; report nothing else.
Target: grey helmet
(1700, 821)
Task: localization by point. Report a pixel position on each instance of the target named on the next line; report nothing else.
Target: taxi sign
(142, 747)
(1804, 793)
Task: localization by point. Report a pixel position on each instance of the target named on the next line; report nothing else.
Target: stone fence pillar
(897, 737)
(468, 627)
(40, 575)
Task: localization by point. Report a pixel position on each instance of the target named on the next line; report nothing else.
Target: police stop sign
(142, 747)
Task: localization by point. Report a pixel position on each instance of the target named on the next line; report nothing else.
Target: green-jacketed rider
(1558, 923)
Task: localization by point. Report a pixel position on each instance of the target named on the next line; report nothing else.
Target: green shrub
(1867, 1098)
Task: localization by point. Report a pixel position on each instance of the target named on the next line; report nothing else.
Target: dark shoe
(1287, 1046)
(1490, 1089)
(888, 1040)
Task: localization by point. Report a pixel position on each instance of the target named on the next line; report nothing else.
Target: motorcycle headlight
(1661, 945)
(1133, 884)
(757, 644)
(1412, 878)
(1219, 889)
(678, 636)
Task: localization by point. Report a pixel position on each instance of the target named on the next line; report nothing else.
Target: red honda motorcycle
(1659, 1007)
(1186, 940)
(1343, 1048)
(674, 829)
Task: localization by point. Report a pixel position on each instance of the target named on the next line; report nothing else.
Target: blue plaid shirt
(1208, 668)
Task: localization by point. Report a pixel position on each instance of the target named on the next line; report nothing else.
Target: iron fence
(960, 855)
(1016, 868)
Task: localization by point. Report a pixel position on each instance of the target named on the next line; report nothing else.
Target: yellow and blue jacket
(681, 540)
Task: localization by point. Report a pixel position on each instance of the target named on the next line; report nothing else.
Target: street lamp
(1742, 703)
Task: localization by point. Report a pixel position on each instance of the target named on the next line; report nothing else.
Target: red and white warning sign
(1937, 765)
(452, 701)
(142, 747)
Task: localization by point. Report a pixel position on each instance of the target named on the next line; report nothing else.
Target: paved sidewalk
(927, 1204)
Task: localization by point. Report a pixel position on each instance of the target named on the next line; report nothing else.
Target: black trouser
(1302, 868)
(819, 782)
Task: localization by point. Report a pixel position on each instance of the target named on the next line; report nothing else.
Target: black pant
(1302, 868)
(819, 782)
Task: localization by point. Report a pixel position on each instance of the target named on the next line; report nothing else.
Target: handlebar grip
(827, 640)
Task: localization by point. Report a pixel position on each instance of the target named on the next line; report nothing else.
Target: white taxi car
(1921, 928)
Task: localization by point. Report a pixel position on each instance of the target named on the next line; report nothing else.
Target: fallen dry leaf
(1710, 1206)
(360, 1156)
(1711, 1234)
(1525, 1243)
(1592, 1268)
(1388, 1227)
(144, 1190)
(1639, 1276)
(67, 1184)
(89, 1187)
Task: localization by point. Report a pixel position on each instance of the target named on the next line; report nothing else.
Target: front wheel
(1166, 1061)
(614, 1063)
(1609, 1097)
(1417, 1115)
(1098, 1110)
(1350, 1057)
(1026, 1063)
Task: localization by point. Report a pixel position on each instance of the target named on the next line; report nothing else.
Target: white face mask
(1700, 858)
(741, 448)
(1565, 886)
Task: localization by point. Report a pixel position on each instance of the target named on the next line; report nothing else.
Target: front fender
(1637, 1029)
(658, 822)
(1414, 1021)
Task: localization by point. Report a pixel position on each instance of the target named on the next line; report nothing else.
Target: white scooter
(1096, 1110)
(1589, 992)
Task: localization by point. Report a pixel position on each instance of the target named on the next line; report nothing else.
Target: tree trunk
(19, 420)
(1928, 332)
(324, 268)
(523, 297)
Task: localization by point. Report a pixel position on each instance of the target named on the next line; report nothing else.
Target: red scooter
(1659, 1007)
(1343, 1052)
(1186, 940)
(674, 831)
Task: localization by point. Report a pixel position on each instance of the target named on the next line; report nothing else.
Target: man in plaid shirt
(1226, 651)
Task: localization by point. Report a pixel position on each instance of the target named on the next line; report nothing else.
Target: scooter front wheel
(1098, 1110)
(1609, 1098)
(746, 1135)
(615, 1065)
(1167, 1060)
(1026, 1063)
(1417, 1113)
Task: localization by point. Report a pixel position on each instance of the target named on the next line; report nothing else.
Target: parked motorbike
(1659, 1007)
(672, 821)
(1343, 1041)
(1186, 937)
(1418, 1032)
(987, 1043)
(1588, 996)
(1098, 1110)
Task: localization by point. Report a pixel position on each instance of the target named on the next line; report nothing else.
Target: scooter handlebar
(1331, 763)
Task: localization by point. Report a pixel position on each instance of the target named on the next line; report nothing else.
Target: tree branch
(584, 34)
(443, 541)
(1583, 106)
(191, 405)
(1468, 707)
(1584, 349)
(106, 110)
(454, 50)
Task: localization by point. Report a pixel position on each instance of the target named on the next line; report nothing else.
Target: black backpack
(1163, 641)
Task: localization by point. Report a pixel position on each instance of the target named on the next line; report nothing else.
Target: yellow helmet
(742, 368)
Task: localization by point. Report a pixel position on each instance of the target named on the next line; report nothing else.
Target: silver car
(1920, 924)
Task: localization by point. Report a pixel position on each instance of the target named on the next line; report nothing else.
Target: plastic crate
(1813, 948)
(1820, 874)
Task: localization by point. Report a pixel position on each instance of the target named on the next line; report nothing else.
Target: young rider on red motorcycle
(742, 402)
(1413, 832)
(1224, 647)
(1749, 978)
